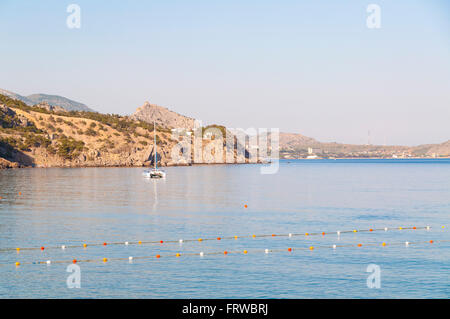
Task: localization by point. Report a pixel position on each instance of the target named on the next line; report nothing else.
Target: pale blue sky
(310, 67)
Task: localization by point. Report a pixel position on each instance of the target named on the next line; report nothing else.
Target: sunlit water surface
(96, 205)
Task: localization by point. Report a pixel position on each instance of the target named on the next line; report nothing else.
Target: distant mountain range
(53, 100)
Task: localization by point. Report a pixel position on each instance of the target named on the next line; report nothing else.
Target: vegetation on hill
(49, 137)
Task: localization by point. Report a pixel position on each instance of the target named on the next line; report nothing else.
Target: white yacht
(154, 172)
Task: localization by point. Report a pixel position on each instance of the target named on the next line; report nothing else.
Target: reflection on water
(64, 206)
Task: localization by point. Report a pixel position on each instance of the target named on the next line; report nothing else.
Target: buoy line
(126, 243)
(226, 252)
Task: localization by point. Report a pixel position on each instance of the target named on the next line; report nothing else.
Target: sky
(308, 67)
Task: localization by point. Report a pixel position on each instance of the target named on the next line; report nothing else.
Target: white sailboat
(155, 172)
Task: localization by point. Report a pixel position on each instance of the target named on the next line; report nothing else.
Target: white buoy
(406, 243)
(266, 251)
(290, 235)
(339, 233)
(130, 258)
(201, 254)
(48, 262)
(334, 246)
(428, 227)
(385, 229)
(181, 241)
(126, 243)
(63, 247)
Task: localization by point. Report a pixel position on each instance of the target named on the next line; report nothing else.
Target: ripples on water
(66, 206)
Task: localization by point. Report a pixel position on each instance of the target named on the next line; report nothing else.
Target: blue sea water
(94, 205)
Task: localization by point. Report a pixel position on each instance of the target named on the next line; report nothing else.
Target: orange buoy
(200, 239)
(323, 233)
(245, 206)
(235, 237)
(1, 197)
(20, 193)
(225, 252)
(18, 249)
(431, 241)
(359, 245)
(74, 261)
(140, 242)
(289, 249)
(414, 227)
(84, 245)
(158, 256)
(371, 229)
(273, 235)
(218, 238)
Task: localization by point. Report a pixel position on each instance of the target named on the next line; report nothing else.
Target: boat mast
(154, 143)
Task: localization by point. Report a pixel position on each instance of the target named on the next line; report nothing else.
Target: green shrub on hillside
(69, 148)
(90, 132)
(35, 140)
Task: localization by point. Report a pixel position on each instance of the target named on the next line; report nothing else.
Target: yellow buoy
(178, 255)
(17, 263)
(245, 251)
(254, 236)
(311, 248)
(18, 249)
(384, 244)
(355, 231)
(200, 239)
(105, 260)
(139, 242)
(306, 234)
(235, 237)
(84, 245)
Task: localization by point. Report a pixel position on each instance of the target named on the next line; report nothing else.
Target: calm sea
(48, 207)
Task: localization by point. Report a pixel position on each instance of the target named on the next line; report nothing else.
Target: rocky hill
(292, 141)
(36, 136)
(53, 100)
(162, 116)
